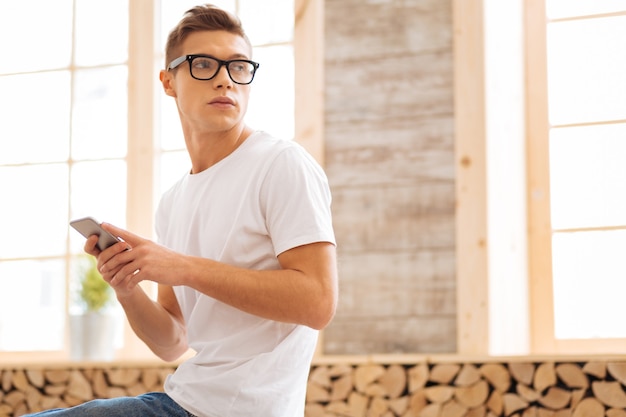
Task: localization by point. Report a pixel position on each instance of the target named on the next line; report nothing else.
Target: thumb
(127, 236)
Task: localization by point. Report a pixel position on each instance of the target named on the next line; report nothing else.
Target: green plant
(94, 292)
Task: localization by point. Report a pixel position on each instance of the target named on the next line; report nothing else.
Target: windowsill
(72, 364)
(322, 360)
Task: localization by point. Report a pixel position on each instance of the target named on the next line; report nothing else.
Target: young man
(246, 261)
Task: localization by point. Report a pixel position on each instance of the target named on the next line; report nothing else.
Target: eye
(239, 66)
(203, 63)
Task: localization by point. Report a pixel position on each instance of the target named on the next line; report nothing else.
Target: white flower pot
(92, 336)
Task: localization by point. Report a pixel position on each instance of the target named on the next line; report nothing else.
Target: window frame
(480, 306)
(543, 340)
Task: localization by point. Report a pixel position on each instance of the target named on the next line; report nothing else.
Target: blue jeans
(153, 404)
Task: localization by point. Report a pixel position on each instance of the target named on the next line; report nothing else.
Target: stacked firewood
(345, 388)
(515, 389)
(29, 390)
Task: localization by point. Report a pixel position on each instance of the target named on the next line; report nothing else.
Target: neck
(207, 149)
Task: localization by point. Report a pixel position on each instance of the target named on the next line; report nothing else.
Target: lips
(222, 100)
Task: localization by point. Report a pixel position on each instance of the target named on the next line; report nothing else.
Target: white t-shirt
(266, 197)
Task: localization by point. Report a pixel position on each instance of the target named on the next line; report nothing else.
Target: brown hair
(200, 18)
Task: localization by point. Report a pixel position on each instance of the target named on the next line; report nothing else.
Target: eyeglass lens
(205, 68)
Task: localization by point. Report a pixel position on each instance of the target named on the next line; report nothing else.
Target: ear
(168, 82)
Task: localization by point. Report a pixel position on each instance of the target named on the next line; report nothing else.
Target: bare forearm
(290, 294)
(154, 325)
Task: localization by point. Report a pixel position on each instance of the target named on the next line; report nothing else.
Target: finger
(125, 280)
(127, 236)
(109, 259)
(116, 249)
(117, 279)
(90, 245)
(123, 265)
(108, 275)
(134, 279)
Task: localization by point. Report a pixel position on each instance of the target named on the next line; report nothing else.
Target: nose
(222, 78)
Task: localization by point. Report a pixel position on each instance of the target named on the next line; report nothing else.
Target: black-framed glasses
(205, 67)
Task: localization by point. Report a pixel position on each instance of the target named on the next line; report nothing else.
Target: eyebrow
(231, 57)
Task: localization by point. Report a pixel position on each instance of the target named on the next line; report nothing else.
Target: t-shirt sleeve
(296, 199)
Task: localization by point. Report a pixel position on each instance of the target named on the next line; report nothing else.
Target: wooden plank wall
(389, 137)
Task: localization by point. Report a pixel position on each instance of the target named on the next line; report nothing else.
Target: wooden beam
(539, 230)
(308, 46)
(471, 185)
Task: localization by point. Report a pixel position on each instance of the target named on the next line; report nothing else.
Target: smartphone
(88, 226)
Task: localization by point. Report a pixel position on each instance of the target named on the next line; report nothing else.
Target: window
(65, 150)
(563, 202)
(577, 126)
